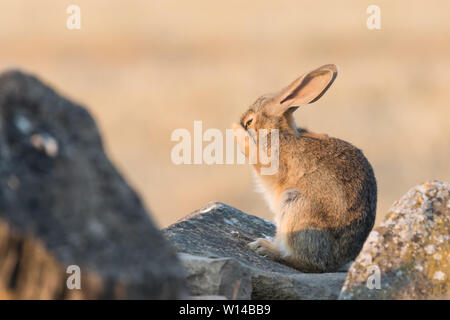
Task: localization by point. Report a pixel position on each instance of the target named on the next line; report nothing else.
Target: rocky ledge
(212, 244)
(406, 257)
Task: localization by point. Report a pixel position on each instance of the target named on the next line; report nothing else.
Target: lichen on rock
(410, 249)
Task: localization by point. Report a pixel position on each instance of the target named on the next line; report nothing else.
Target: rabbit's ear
(307, 89)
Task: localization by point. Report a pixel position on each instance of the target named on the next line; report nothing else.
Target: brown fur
(324, 192)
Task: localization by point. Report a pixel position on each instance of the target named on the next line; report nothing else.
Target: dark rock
(408, 255)
(29, 271)
(57, 187)
(218, 231)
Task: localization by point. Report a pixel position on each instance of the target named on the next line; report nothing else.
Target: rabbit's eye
(249, 122)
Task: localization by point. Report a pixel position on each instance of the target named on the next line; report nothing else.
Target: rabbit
(324, 193)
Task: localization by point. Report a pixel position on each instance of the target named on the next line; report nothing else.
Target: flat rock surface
(218, 230)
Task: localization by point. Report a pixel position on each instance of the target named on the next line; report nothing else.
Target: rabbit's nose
(236, 127)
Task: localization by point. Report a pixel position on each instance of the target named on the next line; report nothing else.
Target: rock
(303, 286)
(208, 298)
(220, 233)
(217, 277)
(63, 203)
(410, 250)
(29, 271)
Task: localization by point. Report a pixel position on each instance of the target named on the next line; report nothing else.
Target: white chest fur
(269, 196)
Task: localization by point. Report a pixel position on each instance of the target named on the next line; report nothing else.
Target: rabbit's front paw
(261, 246)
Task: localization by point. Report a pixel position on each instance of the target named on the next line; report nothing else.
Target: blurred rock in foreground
(212, 245)
(411, 250)
(63, 203)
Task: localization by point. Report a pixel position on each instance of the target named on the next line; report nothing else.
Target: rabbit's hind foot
(265, 248)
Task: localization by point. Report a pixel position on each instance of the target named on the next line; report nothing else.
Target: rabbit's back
(339, 183)
(335, 171)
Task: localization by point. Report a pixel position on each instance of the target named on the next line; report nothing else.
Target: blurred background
(146, 68)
